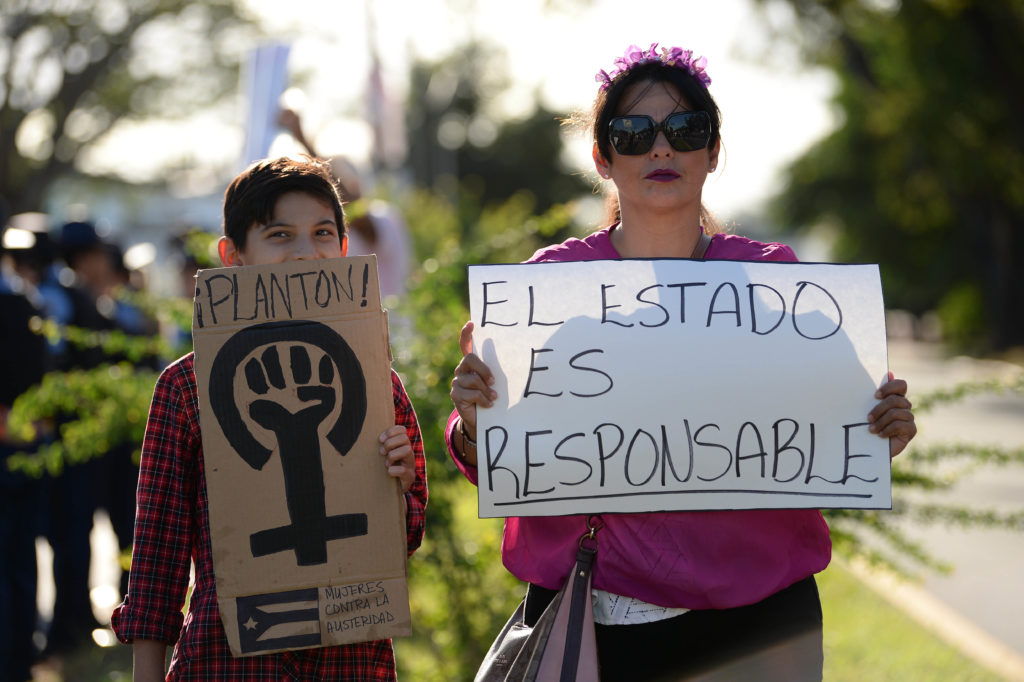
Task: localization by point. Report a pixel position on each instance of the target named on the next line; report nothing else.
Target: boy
(277, 210)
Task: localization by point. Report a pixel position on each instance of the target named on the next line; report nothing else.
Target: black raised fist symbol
(275, 417)
(297, 432)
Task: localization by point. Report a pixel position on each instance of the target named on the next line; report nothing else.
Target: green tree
(459, 146)
(925, 174)
(461, 594)
(69, 71)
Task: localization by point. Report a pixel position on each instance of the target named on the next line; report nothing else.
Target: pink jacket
(696, 560)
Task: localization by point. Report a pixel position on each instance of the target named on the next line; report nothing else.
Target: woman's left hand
(398, 455)
(891, 418)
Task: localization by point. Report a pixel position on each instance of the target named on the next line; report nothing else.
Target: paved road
(987, 584)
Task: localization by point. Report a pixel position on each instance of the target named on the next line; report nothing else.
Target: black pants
(19, 508)
(778, 638)
(70, 506)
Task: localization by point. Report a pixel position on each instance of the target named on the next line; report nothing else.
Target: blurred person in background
(70, 498)
(80, 290)
(101, 287)
(118, 472)
(185, 265)
(23, 359)
(64, 514)
(375, 225)
(119, 286)
(36, 270)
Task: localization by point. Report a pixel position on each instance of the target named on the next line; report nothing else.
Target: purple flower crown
(670, 56)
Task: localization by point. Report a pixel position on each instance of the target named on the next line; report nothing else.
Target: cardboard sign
(651, 385)
(294, 384)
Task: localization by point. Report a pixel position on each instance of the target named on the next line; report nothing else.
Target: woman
(728, 589)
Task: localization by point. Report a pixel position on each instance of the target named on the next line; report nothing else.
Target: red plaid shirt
(173, 526)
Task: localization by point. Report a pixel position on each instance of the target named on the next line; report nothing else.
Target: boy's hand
(397, 450)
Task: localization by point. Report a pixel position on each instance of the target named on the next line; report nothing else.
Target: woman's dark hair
(250, 198)
(608, 102)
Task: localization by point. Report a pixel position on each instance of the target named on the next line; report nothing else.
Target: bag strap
(702, 246)
(579, 597)
(577, 610)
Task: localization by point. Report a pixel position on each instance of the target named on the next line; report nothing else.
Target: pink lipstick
(662, 175)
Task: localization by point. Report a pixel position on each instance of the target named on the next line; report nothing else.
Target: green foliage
(962, 314)
(866, 638)
(919, 476)
(478, 160)
(967, 389)
(172, 313)
(72, 70)
(75, 416)
(201, 246)
(924, 175)
(461, 594)
(94, 411)
(114, 342)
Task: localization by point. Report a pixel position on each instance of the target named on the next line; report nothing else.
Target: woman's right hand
(471, 385)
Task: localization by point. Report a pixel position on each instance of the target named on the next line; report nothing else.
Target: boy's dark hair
(250, 198)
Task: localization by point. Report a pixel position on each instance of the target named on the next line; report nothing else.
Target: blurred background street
(985, 584)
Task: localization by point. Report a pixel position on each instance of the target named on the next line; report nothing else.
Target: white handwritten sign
(649, 385)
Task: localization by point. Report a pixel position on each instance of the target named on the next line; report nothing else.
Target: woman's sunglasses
(686, 131)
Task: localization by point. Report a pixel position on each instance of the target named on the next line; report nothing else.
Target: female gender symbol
(297, 432)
